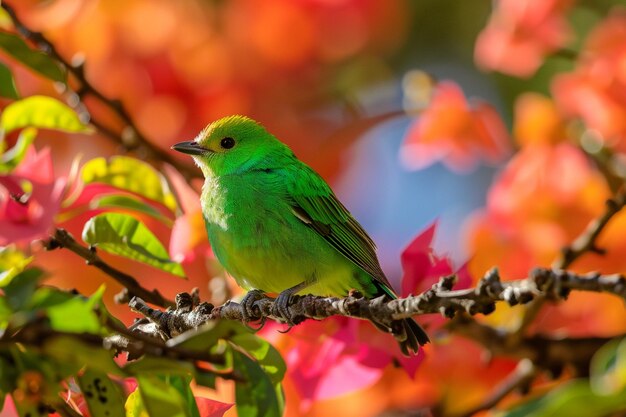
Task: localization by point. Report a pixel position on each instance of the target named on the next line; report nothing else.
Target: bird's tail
(407, 332)
(410, 336)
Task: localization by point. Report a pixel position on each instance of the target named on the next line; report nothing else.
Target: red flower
(541, 201)
(520, 34)
(596, 90)
(455, 132)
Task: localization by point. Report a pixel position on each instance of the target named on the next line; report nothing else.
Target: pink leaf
(327, 359)
(211, 408)
(28, 214)
(420, 265)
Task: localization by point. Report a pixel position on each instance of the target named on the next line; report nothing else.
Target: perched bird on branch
(276, 225)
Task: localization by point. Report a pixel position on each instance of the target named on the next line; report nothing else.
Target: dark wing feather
(315, 204)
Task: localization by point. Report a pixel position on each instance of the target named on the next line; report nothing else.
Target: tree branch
(62, 239)
(587, 241)
(548, 353)
(131, 138)
(38, 332)
(519, 379)
(440, 298)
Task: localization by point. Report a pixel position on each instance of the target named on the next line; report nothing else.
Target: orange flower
(596, 90)
(456, 133)
(542, 200)
(537, 120)
(519, 35)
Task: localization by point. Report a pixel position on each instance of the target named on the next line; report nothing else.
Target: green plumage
(274, 223)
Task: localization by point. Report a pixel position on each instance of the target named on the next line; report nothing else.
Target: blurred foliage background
(503, 122)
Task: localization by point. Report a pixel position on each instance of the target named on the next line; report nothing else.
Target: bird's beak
(190, 147)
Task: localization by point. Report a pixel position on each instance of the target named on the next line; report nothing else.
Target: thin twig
(519, 379)
(131, 137)
(585, 243)
(62, 239)
(546, 352)
(65, 410)
(158, 345)
(38, 332)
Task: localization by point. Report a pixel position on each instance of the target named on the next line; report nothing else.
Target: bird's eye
(227, 143)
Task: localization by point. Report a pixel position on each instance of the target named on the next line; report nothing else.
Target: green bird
(277, 227)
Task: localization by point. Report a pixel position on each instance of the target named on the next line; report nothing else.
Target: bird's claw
(249, 311)
(281, 308)
(286, 330)
(262, 322)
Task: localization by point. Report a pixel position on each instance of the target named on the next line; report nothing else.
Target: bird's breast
(261, 243)
(244, 217)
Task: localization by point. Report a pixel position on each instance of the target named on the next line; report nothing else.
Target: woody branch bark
(546, 352)
(63, 239)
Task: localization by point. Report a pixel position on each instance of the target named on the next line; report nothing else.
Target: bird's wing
(315, 204)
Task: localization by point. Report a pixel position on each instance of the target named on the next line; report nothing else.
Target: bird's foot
(281, 305)
(250, 312)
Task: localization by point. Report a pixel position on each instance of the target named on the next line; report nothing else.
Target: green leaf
(206, 379)
(265, 354)
(76, 315)
(572, 399)
(103, 397)
(208, 335)
(126, 236)
(152, 365)
(256, 397)
(182, 386)
(41, 112)
(161, 399)
(608, 368)
(134, 406)
(12, 262)
(582, 20)
(72, 351)
(2, 395)
(46, 297)
(5, 313)
(35, 60)
(132, 175)
(129, 203)
(21, 288)
(7, 84)
(9, 374)
(29, 408)
(6, 22)
(11, 158)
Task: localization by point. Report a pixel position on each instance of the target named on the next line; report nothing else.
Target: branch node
(122, 297)
(448, 312)
(51, 244)
(525, 297)
(598, 250)
(490, 285)
(447, 282)
(488, 308)
(184, 302)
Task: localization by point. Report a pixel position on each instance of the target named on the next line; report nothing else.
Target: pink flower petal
(212, 408)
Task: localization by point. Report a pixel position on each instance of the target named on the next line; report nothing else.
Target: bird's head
(234, 144)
